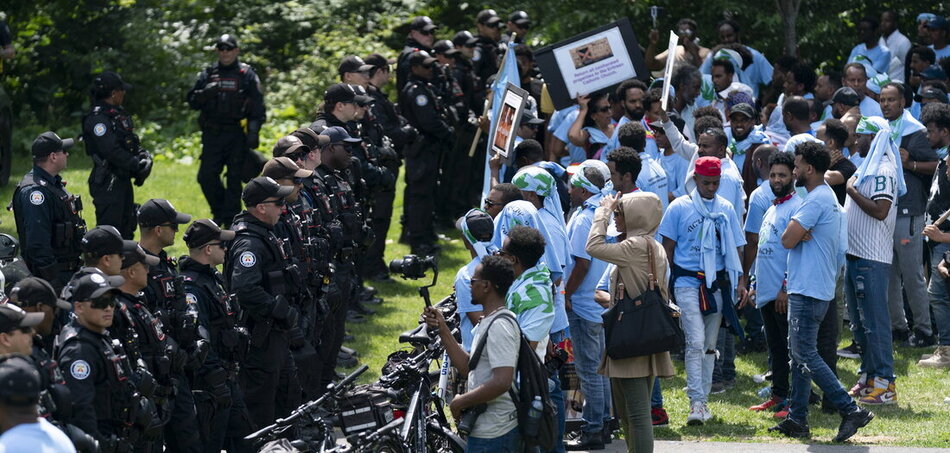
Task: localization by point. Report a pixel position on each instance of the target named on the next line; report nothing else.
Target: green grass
(920, 419)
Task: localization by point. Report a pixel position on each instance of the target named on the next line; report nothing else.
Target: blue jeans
(656, 399)
(557, 397)
(702, 332)
(939, 299)
(866, 291)
(589, 345)
(805, 314)
(725, 369)
(509, 442)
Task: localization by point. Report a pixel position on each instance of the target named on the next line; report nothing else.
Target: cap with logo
(91, 286)
(48, 143)
(353, 63)
(520, 18)
(107, 81)
(203, 231)
(422, 23)
(339, 135)
(261, 188)
(743, 109)
(13, 317)
(421, 58)
(464, 38)
(362, 98)
(488, 17)
(283, 167)
(339, 92)
(227, 40)
(19, 381)
(846, 96)
(105, 240)
(158, 211)
(34, 290)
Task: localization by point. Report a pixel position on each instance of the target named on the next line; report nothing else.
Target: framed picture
(505, 127)
(591, 61)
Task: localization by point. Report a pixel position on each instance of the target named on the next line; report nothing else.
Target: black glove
(281, 308)
(145, 168)
(296, 337)
(253, 134)
(210, 91)
(83, 442)
(293, 316)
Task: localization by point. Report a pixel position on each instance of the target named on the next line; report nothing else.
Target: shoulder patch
(477, 55)
(422, 100)
(37, 197)
(80, 369)
(248, 259)
(99, 129)
(190, 298)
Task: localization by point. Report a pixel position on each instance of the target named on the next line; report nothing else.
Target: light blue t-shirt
(759, 72)
(575, 154)
(772, 259)
(813, 264)
(942, 53)
(463, 300)
(557, 248)
(39, 437)
(759, 202)
(653, 179)
(682, 223)
(869, 107)
(675, 167)
(880, 56)
(578, 229)
(614, 141)
(604, 283)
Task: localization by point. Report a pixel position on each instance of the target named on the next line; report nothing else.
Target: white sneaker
(707, 414)
(697, 413)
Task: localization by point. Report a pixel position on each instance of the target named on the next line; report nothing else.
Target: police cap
(32, 291)
(19, 381)
(105, 240)
(464, 38)
(421, 58)
(520, 18)
(48, 143)
(158, 211)
(283, 167)
(91, 286)
(444, 47)
(13, 317)
(203, 231)
(262, 188)
(422, 23)
(353, 63)
(139, 256)
(226, 40)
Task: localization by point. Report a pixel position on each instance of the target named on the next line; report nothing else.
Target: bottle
(534, 418)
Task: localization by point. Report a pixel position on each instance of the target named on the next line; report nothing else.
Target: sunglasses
(223, 48)
(489, 203)
(217, 244)
(173, 226)
(103, 302)
(602, 109)
(426, 32)
(279, 202)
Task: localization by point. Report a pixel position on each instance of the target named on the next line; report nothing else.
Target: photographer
(496, 428)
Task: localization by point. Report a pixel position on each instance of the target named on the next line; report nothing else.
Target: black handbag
(644, 325)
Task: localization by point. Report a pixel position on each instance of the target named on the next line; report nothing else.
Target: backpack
(532, 378)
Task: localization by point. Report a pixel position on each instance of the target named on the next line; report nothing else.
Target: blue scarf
(714, 219)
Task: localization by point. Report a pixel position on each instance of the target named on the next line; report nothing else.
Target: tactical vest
(406, 98)
(280, 275)
(230, 104)
(179, 317)
(55, 401)
(122, 125)
(146, 337)
(67, 227)
(346, 207)
(228, 337)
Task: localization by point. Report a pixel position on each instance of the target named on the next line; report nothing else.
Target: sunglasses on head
(103, 302)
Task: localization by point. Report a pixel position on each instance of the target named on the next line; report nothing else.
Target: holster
(261, 331)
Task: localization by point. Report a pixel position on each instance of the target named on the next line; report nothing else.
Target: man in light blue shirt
(583, 313)
(477, 228)
(939, 30)
(22, 429)
(559, 129)
(871, 46)
(856, 78)
(759, 71)
(635, 101)
(652, 177)
(814, 240)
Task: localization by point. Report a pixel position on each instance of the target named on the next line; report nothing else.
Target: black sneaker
(852, 351)
(919, 340)
(587, 441)
(900, 335)
(852, 422)
(791, 428)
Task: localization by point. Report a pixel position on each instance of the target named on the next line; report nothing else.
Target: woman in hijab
(637, 217)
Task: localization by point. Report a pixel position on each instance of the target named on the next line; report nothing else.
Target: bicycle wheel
(388, 444)
(440, 439)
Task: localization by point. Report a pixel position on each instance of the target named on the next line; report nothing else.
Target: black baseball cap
(13, 317)
(743, 109)
(309, 137)
(19, 381)
(289, 145)
(139, 256)
(352, 63)
(32, 291)
(339, 92)
(846, 96)
(158, 211)
(529, 118)
(108, 80)
(421, 58)
(105, 240)
(283, 167)
(445, 47)
(464, 38)
(378, 61)
(226, 39)
(48, 143)
(203, 231)
(520, 18)
(362, 97)
(480, 225)
(423, 23)
(934, 93)
(487, 17)
(90, 286)
(337, 134)
(938, 23)
(262, 188)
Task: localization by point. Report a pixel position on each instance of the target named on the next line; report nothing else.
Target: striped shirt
(868, 237)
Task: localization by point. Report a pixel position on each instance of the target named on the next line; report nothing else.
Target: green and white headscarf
(579, 179)
(540, 181)
(881, 145)
(482, 249)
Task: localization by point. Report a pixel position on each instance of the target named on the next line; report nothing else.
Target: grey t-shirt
(914, 202)
(501, 350)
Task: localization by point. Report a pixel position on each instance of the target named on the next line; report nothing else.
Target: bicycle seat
(416, 336)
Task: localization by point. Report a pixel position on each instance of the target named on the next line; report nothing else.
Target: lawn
(920, 419)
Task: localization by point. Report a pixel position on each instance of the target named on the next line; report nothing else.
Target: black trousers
(181, 432)
(374, 261)
(223, 427)
(339, 295)
(115, 204)
(219, 149)
(419, 197)
(261, 377)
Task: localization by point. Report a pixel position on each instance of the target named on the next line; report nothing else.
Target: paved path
(666, 446)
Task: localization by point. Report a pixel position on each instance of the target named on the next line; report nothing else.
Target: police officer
(258, 273)
(102, 249)
(487, 49)
(159, 222)
(421, 36)
(518, 22)
(47, 216)
(226, 93)
(464, 72)
(35, 295)
(116, 152)
(354, 71)
(106, 403)
(339, 109)
(424, 111)
(222, 415)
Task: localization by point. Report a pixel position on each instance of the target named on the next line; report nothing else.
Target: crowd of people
(770, 203)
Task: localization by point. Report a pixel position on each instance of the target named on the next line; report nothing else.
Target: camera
(411, 266)
(469, 416)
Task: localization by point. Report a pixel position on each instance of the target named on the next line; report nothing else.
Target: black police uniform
(466, 186)
(259, 275)
(381, 154)
(402, 61)
(56, 403)
(49, 226)
(486, 58)
(423, 110)
(106, 403)
(117, 158)
(222, 415)
(6, 38)
(225, 95)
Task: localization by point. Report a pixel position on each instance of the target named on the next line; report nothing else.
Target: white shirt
(899, 45)
(865, 233)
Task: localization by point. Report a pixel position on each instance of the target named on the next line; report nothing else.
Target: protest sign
(591, 61)
(668, 71)
(509, 117)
